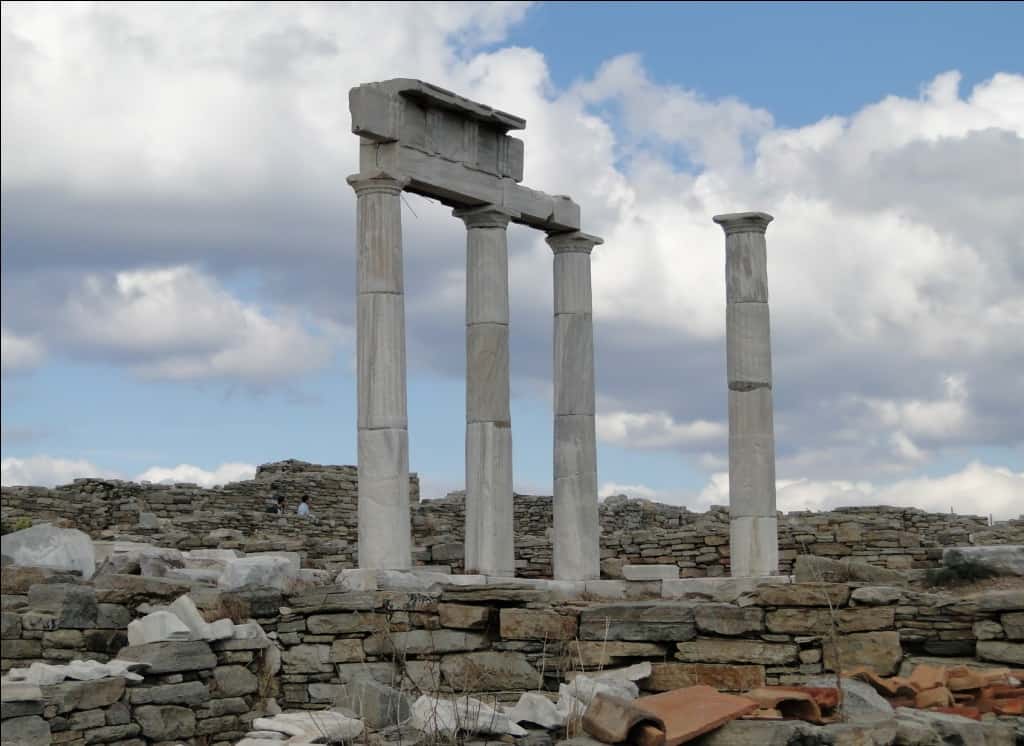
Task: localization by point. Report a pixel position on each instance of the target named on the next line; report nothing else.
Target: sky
(177, 238)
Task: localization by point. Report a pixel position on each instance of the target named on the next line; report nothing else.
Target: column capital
(485, 216)
(573, 242)
(377, 181)
(743, 222)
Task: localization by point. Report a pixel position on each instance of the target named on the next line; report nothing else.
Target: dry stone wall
(633, 531)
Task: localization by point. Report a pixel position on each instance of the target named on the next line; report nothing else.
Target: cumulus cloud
(19, 353)
(47, 471)
(657, 430)
(229, 472)
(178, 323)
(978, 488)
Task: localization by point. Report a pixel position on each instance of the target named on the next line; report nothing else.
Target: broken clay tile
(938, 696)
(966, 712)
(928, 677)
(1009, 706)
(690, 712)
(610, 719)
(792, 703)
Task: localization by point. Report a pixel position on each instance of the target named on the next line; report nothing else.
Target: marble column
(753, 524)
(577, 530)
(490, 510)
(385, 526)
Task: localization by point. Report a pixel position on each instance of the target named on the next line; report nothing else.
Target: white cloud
(657, 430)
(928, 418)
(19, 353)
(178, 323)
(47, 471)
(977, 489)
(229, 472)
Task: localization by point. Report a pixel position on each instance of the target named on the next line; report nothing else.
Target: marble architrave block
(754, 546)
(748, 345)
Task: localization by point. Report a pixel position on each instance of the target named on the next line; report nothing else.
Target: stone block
(171, 657)
(234, 681)
(1003, 652)
(378, 705)
(307, 659)
(21, 649)
(74, 606)
(572, 283)
(258, 572)
(489, 671)
(186, 693)
(875, 595)
(730, 678)
(812, 569)
(593, 653)
(84, 695)
(165, 722)
(746, 269)
(487, 380)
(818, 621)
(535, 624)
(464, 616)
(804, 594)
(650, 572)
(671, 621)
(45, 545)
(729, 620)
(347, 650)
(1004, 559)
(380, 362)
(486, 276)
(347, 624)
(423, 642)
(26, 731)
(1013, 625)
(708, 650)
(879, 651)
(159, 626)
(1005, 600)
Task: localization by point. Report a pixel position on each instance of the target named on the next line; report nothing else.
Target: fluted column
(385, 526)
(489, 504)
(577, 531)
(753, 524)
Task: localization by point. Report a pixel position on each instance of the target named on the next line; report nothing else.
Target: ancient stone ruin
(153, 614)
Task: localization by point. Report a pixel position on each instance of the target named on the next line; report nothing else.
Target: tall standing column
(490, 509)
(753, 524)
(385, 526)
(577, 530)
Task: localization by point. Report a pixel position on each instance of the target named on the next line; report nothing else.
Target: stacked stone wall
(633, 531)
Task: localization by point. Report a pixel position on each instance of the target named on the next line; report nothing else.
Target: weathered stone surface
(21, 649)
(729, 620)
(74, 606)
(112, 616)
(650, 572)
(760, 732)
(644, 621)
(158, 626)
(495, 593)
(709, 650)
(84, 695)
(879, 651)
(489, 671)
(988, 630)
(422, 641)
(876, 595)
(810, 621)
(809, 568)
(1003, 652)
(20, 709)
(165, 722)
(186, 693)
(590, 653)
(944, 728)
(463, 616)
(26, 731)
(1004, 559)
(378, 705)
(1013, 625)
(347, 650)
(860, 700)
(10, 625)
(732, 678)
(135, 589)
(307, 659)
(344, 624)
(170, 657)
(804, 594)
(534, 624)
(45, 545)
(1007, 600)
(234, 681)
(258, 572)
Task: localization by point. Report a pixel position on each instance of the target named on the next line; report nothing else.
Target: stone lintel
(459, 185)
(573, 241)
(743, 222)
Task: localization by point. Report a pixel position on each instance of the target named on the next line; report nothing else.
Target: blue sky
(177, 238)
